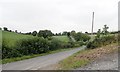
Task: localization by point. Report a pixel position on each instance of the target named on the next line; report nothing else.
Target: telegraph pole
(92, 23)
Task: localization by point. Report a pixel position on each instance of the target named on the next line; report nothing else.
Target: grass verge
(84, 57)
(4, 61)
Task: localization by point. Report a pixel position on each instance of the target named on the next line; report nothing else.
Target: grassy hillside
(62, 38)
(11, 38)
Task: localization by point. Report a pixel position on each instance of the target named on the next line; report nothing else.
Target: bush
(81, 37)
(9, 52)
(25, 47)
(33, 46)
(102, 41)
(54, 44)
(69, 44)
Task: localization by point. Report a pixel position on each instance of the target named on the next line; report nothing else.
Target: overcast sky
(58, 15)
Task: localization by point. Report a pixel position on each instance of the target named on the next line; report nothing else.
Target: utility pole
(92, 23)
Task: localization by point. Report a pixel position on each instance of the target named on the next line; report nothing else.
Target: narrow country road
(38, 62)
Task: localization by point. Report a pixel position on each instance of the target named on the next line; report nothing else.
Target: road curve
(38, 62)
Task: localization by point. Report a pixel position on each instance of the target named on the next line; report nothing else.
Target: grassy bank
(10, 38)
(84, 57)
(4, 61)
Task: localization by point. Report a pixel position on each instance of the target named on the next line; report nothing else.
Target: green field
(62, 38)
(11, 38)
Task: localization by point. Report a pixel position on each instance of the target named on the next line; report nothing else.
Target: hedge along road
(42, 61)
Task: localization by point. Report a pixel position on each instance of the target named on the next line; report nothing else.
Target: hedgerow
(102, 41)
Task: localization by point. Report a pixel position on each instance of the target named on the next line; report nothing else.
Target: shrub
(102, 41)
(69, 44)
(54, 44)
(33, 46)
(25, 47)
(9, 52)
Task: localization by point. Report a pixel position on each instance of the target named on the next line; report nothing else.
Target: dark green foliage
(102, 41)
(85, 37)
(5, 29)
(9, 52)
(72, 33)
(86, 32)
(67, 45)
(55, 44)
(103, 38)
(33, 46)
(68, 34)
(64, 33)
(105, 32)
(34, 33)
(98, 33)
(44, 33)
(26, 47)
(16, 31)
(81, 37)
(78, 36)
(29, 45)
(36, 45)
(29, 33)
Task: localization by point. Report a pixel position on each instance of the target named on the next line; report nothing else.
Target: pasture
(10, 38)
(62, 38)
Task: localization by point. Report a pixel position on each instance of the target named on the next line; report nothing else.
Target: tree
(59, 34)
(15, 31)
(86, 32)
(0, 28)
(98, 33)
(85, 37)
(29, 33)
(34, 33)
(10, 30)
(78, 36)
(81, 37)
(68, 34)
(5, 29)
(45, 33)
(56, 34)
(72, 33)
(105, 32)
(64, 33)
